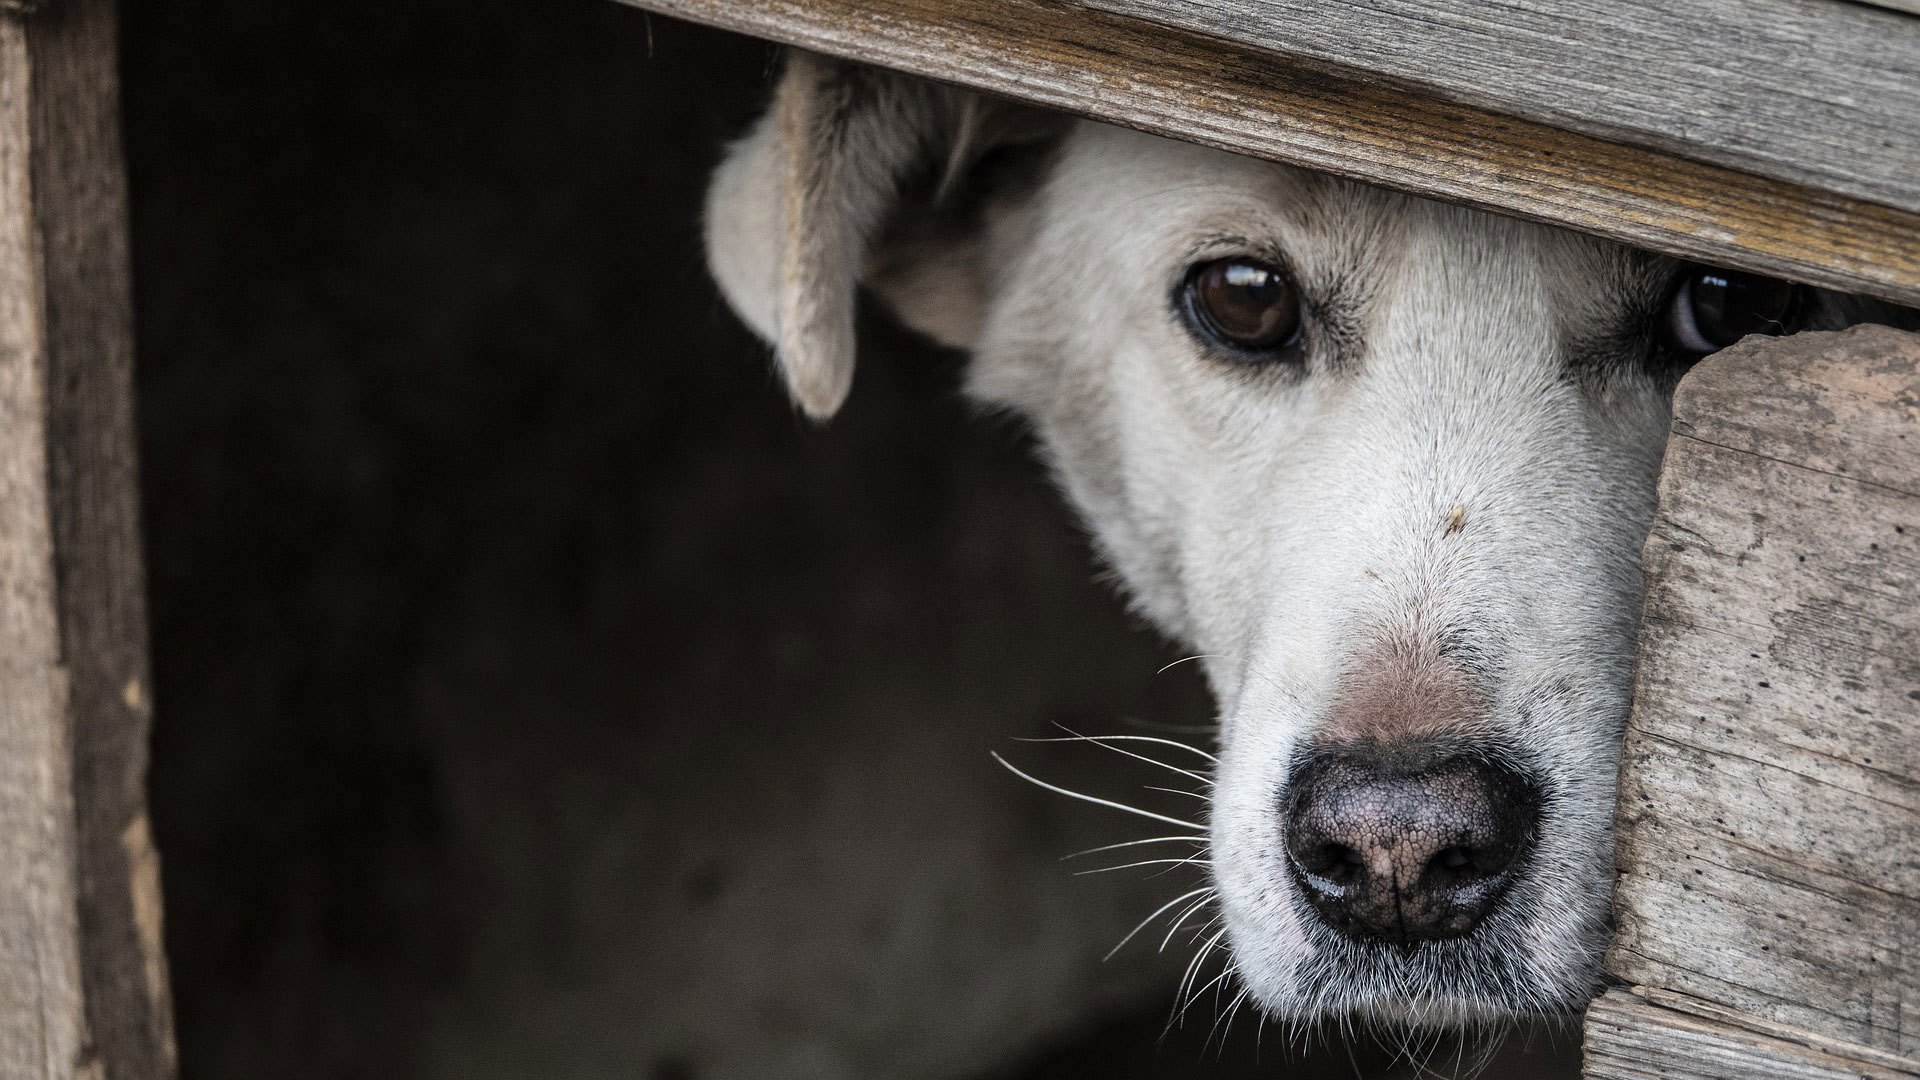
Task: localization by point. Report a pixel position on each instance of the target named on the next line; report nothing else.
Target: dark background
(488, 567)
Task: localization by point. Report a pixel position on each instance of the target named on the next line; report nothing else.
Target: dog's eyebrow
(1335, 302)
(1221, 245)
(1594, 356)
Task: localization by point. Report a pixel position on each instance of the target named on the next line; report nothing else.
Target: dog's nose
(1406, 846)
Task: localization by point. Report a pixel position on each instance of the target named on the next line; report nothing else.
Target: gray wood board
(1630, 1038)
(1817, 92)
(1205, 90)
(1769, 821)
(83, 976)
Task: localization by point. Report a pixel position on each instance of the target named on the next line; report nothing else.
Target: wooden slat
(1141, 74)
(1823, 93)
(1769, 821)
(1630, 1038)
(83, 982)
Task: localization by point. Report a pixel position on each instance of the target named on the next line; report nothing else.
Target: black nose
(1407, 845)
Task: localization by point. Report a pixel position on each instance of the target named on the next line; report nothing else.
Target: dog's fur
(1429, 525)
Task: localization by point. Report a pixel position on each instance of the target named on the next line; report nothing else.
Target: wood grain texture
(42, 1020)
(83, 984)
(1630, 1038)
(1144, 75)
(1769, 821)
(1816, 92)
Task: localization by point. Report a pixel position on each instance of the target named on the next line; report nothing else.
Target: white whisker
(1161, 910)
(1188, 861)
(1193, 967)
(1220, 979)
(1197, 994)
(1201, 795)
(1223, 1026)
(1089, 798)
(1077, 737)
(1184, 916)
(1135, 843)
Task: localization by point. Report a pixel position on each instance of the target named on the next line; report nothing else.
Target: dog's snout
(1407, 845)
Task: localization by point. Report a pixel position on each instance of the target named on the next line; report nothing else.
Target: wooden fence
(1769, 897)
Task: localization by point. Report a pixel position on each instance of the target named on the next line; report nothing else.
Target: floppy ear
(817, 197)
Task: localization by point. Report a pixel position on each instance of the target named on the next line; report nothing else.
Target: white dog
(1387, 464)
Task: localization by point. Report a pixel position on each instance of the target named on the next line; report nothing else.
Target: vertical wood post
(1768, 903)
(83, 978)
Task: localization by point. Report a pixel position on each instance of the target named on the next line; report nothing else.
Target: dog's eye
(1713, 308)
(1246, 305)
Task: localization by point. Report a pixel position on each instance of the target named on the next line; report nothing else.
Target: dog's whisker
(1109, 803)
(1222, 1018)
(1188, 861)
(1196, 859)
(1188, 991)
(1190, 659)
(1135, 843)
(1201, 930)
(1184, 916)
(1224, 1025)
(1193, 968)
(1106, 742)
(1161, 910)
(1201, 795)
(1201, 992)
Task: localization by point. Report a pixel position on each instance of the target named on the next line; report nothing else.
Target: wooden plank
(1630, 1038)
(1769, 821)
(42, 1022)
(1816, 92)
(1140, 74)
(83, 985)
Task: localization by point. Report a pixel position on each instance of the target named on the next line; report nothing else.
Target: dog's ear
(856, 174)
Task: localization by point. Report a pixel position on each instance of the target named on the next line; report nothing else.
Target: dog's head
(1387, 464)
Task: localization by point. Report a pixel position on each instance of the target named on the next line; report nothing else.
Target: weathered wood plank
(42, 1022)
(1769, 822)
(1815, 92)
(1631, 1038)
(1140, 74)
(83, 984)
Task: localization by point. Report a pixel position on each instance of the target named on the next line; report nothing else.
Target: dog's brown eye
(1713, 308)
(1247, 305)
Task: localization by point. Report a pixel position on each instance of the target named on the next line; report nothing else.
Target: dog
(1384, 464)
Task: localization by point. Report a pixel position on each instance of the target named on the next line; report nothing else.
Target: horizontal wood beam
(1823, 93)
(1134, 72)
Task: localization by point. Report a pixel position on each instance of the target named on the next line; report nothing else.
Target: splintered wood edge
(1138, 74)
(1650, 1033)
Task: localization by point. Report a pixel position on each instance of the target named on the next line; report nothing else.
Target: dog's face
(1404, 533)
(1386, 464)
